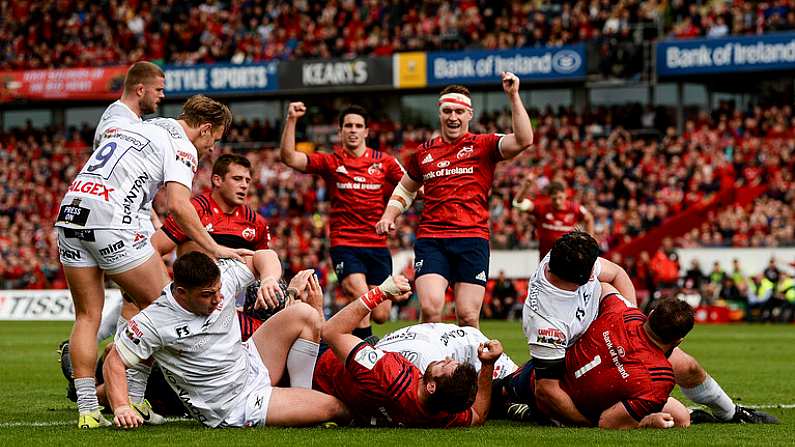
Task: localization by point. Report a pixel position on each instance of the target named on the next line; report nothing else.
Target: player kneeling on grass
(193, 332)
(384, 388)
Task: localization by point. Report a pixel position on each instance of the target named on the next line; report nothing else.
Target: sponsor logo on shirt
(455, 333)
(352, 185)
(133, 332)
(443, 164)
(188, 160)
(91, 188)
(465, 152)
(249, 234)
(447, 172)
(615, 353)
(368, 357)
(341, 169)
(130, 198)
(552, 336)
(74, 213)
(427, 159)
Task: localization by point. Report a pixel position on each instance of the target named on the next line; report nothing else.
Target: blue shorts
(375, 263)
(461, 259)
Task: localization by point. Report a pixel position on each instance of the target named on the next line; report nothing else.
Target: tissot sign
(726, 55)
(373, 71)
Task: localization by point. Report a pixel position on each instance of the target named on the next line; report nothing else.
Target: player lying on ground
(563, 300)
(384, 388)
(617, 373)
(424, 343)
(194, 335)
(457, 171)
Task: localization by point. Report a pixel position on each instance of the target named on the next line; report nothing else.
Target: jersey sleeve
(382, 374)
(613, 303)
(180, 162)
(491, 143)
(546, 336)
(317, 163)
(172, 229)
(639, 407)
(413, 166)
(462, 419)
(235, 277)
(394, 172)
(263, 234)
(138, 340)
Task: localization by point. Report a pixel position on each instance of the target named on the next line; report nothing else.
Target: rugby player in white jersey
(99, 225)
(424, 343)
(193, 332)
(563, 300)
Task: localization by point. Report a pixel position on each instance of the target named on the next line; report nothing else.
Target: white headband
(455, 98)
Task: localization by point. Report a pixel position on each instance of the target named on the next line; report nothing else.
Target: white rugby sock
(301, 363)
(137, 376)
(110, 320)
(86, 394)
(709, 393)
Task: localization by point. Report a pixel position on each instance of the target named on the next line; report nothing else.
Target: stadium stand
(87, 34)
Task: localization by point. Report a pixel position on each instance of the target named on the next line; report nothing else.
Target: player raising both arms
(457, 169)
(359, 179)
(99, 229)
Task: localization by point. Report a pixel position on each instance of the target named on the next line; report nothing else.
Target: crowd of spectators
(79, 33)
(629, 181)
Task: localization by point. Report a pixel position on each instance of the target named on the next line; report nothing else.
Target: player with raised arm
(424, 343)
(98, 224)
(554, 214)
(563, 300)
(457, 171)
(617, 374)
(359, 179)
(384, 388)
(193, 333)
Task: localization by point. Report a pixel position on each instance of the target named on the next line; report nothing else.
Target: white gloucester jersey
(552, 318)
(119, 115)
(125, 173)
(202, 357)
(424, 343)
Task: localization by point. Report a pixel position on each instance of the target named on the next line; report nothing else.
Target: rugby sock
(709, 393)
(110, 320)
(86, 395)
(137, 376)
(301, 363)
(363, 332)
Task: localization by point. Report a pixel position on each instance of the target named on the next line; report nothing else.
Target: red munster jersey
(242, 228)
(551, 223)
(359, 188)
(380, 388)
(615, 361)
(457, 178)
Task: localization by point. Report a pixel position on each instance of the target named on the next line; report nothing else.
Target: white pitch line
(57, 423)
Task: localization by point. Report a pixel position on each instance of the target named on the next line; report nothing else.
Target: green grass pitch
(754, 364)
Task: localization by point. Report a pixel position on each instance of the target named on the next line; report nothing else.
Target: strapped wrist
(373, 298)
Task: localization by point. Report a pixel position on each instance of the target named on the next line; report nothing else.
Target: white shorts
(253, 408)
(114, 251)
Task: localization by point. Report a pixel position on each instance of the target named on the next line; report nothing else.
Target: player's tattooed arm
(290, 156)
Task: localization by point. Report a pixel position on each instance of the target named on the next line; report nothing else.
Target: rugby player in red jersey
(617, 374)
(384, 388)
(457, 170)
(554, 214)
(359, 180)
